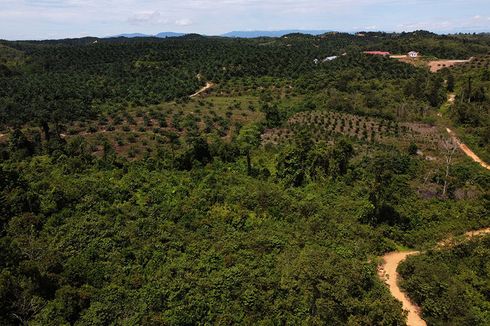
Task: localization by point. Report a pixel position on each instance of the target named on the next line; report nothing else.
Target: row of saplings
(327, 125)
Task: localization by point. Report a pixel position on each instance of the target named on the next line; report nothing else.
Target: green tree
(450, 82)
(341, 155)
(248, 139)
(273, 116)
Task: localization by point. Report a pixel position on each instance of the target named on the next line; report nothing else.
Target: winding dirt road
(209, 85)
(451, 99)
(387, 272)
(466, 150)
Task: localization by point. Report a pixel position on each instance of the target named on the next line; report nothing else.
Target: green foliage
(124, 201)
(272, 115)
(412, 149)
(67, 80)
(305, 161)
(471, 108)
(451, 285)
(248, 139)
(211, 245)
(390, 184)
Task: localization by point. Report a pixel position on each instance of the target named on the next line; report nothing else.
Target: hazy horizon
(231, 33)
(55, 19)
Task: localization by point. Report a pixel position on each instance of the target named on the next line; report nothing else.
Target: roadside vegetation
(451, 284)
(471, 112)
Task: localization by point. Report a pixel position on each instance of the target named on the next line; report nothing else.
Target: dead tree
(450, 147)
(426, 179)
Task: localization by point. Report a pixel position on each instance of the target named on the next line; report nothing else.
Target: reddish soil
(449, 242)
(441, 64)
(399, 56)
(466, 150)
(388, 273)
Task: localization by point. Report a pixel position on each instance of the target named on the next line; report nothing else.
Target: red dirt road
(466, 150)
(387, 272)
(209, 85)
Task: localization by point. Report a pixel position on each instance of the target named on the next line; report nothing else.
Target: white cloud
(147, 17)
(38, 18)
(183, 22)
(461, 24)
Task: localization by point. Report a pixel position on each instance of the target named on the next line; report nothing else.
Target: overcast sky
(41, 19)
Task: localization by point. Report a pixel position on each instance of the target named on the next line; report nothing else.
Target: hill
(132, 35)
(279, 33)
(160, 35)
(237, 34)
(169, 34)
(265, 198)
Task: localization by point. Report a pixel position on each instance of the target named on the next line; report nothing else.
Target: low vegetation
(451, 285)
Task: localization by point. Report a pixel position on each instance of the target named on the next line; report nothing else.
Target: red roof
(377, 52)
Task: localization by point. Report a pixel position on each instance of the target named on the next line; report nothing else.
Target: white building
(413, 54)
(330, 58)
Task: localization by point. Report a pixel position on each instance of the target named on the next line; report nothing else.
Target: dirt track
(209, 85)
(387, 272)
(451, 99)
(477, 233)
(466, 150)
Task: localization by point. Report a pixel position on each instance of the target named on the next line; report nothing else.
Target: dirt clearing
(437, 65)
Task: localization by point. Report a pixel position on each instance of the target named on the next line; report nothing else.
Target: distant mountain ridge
(131, 35)
(159, 35)
(169, 34)
(237, 34)
(278, 33)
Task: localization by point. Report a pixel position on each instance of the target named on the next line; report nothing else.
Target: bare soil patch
(437, 65)
(451, 98)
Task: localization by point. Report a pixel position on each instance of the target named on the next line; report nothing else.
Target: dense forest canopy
(264, 199)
